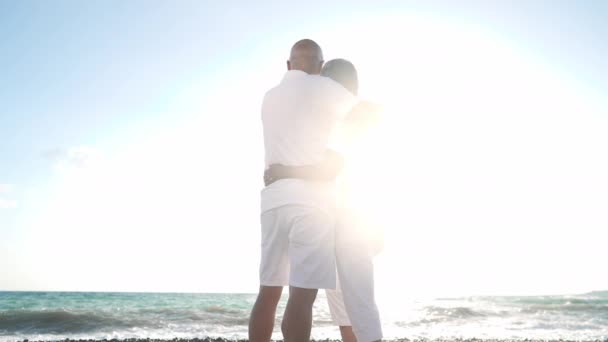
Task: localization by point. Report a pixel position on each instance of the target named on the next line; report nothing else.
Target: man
(298, 223)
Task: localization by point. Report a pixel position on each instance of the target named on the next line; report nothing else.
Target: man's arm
(361, 117)
(325, 171)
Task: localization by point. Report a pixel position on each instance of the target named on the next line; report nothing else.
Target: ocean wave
(562, 300)
(82, 321)
(212, 312)
(587, 308)
(62, 321)
(221, 310)
(459, 312)
(597, 294)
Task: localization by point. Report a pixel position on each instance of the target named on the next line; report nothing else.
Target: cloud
(54, 154)
(6, 188)
(8, 204)
(77, 156)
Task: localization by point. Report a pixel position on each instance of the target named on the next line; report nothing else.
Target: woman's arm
(361, 118)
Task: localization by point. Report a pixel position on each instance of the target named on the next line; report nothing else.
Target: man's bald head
(306, 55)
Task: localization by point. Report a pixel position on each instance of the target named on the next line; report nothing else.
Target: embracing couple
(310, 239)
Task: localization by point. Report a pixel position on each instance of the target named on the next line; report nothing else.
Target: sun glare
(473, 165)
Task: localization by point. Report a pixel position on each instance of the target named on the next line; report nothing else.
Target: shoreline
(219, 339)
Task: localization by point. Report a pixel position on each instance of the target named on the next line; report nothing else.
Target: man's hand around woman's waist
(327, 170)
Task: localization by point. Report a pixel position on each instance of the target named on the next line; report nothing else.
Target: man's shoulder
(273, 92)
(320, 85)
(301, 82)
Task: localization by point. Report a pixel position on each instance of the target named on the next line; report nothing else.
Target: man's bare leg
(347, 333)
(261, 322)
(297, 320)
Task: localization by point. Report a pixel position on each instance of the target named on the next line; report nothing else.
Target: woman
(352, 304)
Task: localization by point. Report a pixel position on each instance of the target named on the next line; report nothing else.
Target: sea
(83, 315)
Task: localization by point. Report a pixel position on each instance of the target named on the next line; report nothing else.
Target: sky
(131, 148)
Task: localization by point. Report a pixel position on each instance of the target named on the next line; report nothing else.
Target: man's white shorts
(298, 248)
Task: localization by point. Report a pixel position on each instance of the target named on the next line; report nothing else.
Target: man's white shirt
(299, 117)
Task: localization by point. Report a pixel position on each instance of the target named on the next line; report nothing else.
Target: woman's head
(343, 72)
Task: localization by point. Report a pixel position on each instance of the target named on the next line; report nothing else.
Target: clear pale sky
(131, 149)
